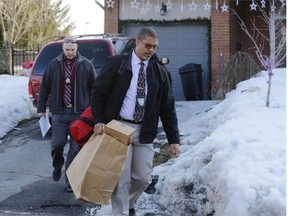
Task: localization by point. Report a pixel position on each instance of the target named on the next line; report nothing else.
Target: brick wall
(235, 31)
(111, 16)
(247, 15)
(227, 37)
(220, 41)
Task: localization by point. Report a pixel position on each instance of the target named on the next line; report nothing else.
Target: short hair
(147, 32)
(69, 39)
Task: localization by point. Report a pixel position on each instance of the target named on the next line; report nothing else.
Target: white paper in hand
(44, 124)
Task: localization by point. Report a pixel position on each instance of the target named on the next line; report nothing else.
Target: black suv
(94, 47)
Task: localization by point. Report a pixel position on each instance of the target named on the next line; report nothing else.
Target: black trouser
(60, 132)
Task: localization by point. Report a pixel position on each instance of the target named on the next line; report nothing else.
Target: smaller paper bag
(120, 131)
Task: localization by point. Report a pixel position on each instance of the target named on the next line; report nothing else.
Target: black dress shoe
(56, 174)
(151, 187)
(68, 189)
(132, 212)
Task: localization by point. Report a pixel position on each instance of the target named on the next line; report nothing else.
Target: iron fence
(22, 60)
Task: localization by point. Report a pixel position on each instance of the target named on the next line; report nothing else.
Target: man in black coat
(119, 94)
(68, 81)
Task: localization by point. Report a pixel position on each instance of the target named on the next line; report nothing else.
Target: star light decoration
(216, 5)
(224, 7)
(181, 6)
(157, 8)
(273, 6)
(148, 6)
(207, 6)
(192, 6)
(253, 6)
(110, 3)
(263, 3)
(283, 3)
(143, 11)
(134, 4)
(169, 5)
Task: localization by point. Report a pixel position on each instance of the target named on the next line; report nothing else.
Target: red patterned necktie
(140, 98)
(67, 88)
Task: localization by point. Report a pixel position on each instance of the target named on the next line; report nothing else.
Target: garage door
(183, 44)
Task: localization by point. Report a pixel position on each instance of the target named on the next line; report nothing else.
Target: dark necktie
(140, 98)
(67, 88)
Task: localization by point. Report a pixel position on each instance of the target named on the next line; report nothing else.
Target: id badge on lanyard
(140, 100)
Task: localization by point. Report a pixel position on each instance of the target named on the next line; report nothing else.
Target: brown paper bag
(95, 171)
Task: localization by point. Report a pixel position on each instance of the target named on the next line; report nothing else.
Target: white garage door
(183, 44)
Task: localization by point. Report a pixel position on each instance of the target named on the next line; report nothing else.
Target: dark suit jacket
(110, 88)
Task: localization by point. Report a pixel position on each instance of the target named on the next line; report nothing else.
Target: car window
(95, 51)
(45, 56)
(124, 45)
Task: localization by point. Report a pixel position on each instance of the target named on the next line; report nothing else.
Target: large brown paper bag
(95, 171)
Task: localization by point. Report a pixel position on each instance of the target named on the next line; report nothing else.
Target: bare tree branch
(21, 18)
(277, 40)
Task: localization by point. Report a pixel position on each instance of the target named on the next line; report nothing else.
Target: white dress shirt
(128, 106)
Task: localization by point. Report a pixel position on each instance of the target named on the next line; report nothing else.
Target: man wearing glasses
(68, 81)
(135, 89)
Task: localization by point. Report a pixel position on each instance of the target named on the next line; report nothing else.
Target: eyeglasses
(70, 39)
(149, 46)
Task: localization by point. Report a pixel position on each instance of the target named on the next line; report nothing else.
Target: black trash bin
(191, 76)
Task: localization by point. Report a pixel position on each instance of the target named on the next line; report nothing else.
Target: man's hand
(99, 128)
(175, 152)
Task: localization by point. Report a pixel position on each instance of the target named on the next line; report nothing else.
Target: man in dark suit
(135, 89)
(67, 81)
